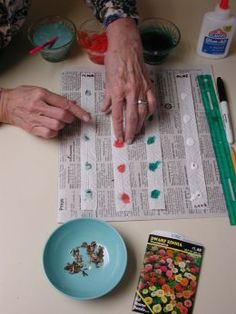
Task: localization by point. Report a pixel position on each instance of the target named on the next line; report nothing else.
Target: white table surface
(28, 183)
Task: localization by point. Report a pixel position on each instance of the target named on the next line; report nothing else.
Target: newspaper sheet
(170, 171)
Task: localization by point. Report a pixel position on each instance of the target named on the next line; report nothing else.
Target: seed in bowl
(95, 253)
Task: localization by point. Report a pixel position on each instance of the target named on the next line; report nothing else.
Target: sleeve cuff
(107, 11)
(109, 18)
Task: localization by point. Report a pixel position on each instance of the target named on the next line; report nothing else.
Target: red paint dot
(121, 168)
(118, 144)
(125, 198)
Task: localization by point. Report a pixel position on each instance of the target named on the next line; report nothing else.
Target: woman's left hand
(129, 92)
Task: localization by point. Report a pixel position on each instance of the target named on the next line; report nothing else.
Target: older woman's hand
(129, 91)
(38, 111)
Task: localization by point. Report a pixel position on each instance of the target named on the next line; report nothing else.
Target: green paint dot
(151, 140)
(88, 166)
(88, 194)
(154, 165)
(155, 194)
(88, 92)
(86, 138)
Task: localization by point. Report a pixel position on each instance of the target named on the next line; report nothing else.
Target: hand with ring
(129, 92)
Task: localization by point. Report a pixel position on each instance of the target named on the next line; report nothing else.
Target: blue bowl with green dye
(45, 29)
(97, 281)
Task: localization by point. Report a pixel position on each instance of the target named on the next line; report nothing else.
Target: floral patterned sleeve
(12, 17)
(107, 11)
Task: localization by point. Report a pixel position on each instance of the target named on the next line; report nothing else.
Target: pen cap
(221, 89)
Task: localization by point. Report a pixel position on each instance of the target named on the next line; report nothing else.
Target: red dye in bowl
(94, 44)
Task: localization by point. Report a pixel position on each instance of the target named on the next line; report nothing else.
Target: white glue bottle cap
(223, 9)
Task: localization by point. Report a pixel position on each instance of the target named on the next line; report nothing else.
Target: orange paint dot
(125, 198)
(121, 168)
(118, 144)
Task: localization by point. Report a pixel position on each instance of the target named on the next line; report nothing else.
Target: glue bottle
(216, 32)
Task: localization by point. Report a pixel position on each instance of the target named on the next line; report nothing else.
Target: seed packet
(169, 275)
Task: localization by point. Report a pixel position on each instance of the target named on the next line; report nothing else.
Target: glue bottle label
(215, 42)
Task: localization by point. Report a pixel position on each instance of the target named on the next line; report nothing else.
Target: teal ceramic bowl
(97, 280)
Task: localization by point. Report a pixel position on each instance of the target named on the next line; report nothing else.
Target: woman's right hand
(38, 111)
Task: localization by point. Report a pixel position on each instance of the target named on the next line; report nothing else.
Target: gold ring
(142, 102)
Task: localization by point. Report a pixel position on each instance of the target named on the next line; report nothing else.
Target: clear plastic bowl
(159, 37)
(44, 29)
(92, 38)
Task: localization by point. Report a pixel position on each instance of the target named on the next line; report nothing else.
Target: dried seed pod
(95, 254)
(84, 244)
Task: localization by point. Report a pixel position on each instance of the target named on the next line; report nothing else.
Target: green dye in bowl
(159, 37)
